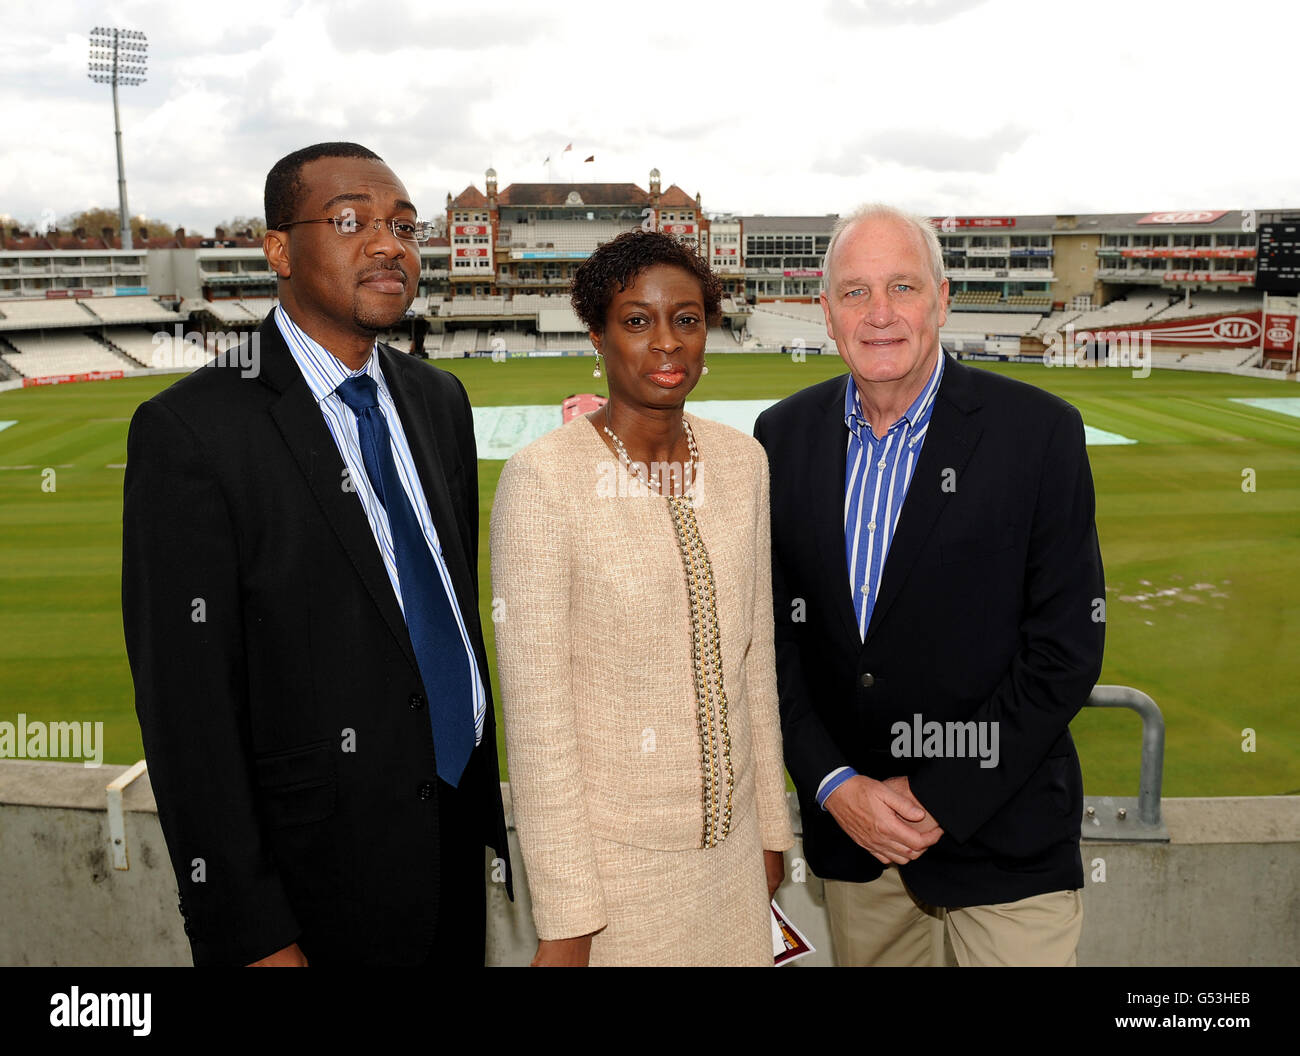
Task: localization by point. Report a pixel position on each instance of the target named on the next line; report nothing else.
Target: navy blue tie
(435, 635)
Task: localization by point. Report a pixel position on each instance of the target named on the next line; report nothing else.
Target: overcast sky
(983, 107)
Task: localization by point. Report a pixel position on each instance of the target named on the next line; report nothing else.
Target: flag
(567, 149)
(548, 160)
(592, 158)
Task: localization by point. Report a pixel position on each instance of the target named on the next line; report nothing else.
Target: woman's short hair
(616, 264)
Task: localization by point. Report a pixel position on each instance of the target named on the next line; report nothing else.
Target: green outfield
(1203, 576)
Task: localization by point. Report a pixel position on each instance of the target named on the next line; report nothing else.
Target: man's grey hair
(921, 224)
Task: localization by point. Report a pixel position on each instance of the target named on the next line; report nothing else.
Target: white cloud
(940, 105)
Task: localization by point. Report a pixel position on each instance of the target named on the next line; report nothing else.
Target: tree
(94, 220)
(237, 224)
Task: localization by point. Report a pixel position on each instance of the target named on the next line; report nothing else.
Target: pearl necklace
(688, 471)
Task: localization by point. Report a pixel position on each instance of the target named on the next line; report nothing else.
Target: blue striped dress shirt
(324, 374)
(877, 473)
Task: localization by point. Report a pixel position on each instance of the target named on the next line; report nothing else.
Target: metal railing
(1123, 817)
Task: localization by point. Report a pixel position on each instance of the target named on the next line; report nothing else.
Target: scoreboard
(1277, 269)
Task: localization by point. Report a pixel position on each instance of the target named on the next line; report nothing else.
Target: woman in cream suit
(630, 554)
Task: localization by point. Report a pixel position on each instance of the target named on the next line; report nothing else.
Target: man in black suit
(940, 613)
(299, 592)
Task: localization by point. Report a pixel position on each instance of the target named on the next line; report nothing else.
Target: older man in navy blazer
(940, 607)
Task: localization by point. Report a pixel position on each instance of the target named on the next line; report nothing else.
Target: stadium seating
(257, 307)
(231, 313)
(511, 341)
(976, 298)
(1030, 300)
(1203, 303)
(811, 313)
(1219, 359)
(1117, 313)
(461, 341)
(63, 353)
(981, 323)
(34, 315)
(525, 303)
(137, 342)
(721, 339)
(566, 342)
(474, 306)
(772, 330)
(118, 310)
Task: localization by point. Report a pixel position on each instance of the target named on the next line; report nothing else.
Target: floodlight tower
(118, 56)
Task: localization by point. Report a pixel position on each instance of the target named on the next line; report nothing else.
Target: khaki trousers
(883, 924)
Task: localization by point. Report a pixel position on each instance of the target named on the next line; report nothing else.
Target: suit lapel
(826, 484)
(949, 442)
(299, 419)
(417, 424)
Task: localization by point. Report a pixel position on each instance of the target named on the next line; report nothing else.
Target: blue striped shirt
(324, 374)
(877, 473)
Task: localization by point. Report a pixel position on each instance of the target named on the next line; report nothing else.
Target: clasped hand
(883, 817)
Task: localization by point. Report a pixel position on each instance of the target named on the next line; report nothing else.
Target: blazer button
(416, 701)
(868, 681)
(425, 790)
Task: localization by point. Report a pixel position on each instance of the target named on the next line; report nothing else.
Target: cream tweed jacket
(593, 640)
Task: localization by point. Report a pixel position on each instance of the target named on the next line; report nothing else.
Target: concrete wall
(1224, 891)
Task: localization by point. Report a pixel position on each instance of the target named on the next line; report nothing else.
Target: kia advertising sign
(1185, 216)
(1279, 333)
(1238, 330)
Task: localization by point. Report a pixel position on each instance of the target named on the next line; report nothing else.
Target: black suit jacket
(987, 611)
(282, 710)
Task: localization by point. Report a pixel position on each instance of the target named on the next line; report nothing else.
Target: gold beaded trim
(706, 662)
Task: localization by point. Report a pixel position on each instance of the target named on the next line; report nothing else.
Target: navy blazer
(283, 714)
(990, 609)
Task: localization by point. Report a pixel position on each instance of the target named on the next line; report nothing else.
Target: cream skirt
(690, 908)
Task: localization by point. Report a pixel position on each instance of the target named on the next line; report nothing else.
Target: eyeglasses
(406, 230)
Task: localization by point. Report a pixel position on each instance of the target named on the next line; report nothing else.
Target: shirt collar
(916, 415)
(323, 371)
